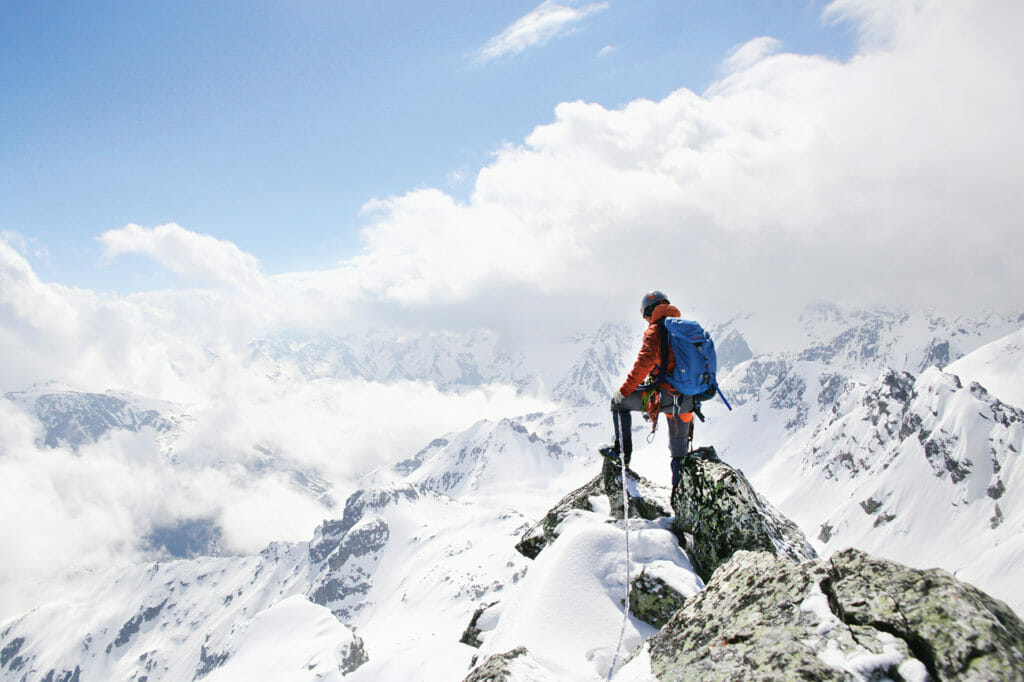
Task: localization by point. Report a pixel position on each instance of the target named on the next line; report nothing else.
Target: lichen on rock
(851, 617)
(955, 629)
(653, 600)
(718, 512)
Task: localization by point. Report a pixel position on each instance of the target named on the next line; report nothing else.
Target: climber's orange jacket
(650, 351)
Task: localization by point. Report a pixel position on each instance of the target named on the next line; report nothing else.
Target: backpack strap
(664, 347)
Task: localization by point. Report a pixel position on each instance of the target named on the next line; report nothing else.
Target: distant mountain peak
(75, 418)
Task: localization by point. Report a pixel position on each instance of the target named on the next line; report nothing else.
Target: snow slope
(568, 609)
(998, 366)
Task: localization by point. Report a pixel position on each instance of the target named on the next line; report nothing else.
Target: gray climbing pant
(674, 406)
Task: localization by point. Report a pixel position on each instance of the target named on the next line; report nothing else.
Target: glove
(617, 398)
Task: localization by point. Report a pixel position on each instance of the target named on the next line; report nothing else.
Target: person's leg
(680, 420)
(623, 423)
(678, 443)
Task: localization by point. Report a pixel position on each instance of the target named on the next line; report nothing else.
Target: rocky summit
(770, 609)
(852, 617)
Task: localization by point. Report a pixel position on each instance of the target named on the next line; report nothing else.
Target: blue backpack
(696, 360)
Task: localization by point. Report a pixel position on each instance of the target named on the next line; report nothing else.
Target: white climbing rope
(625, 520)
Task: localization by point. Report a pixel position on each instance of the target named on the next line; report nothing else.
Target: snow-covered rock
(604, 493)
(998, 366)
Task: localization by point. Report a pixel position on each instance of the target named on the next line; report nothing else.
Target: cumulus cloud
(791, 178)
(194, 257)
(891, 177)
(548, 20)
(256, 434)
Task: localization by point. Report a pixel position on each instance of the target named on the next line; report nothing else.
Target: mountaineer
(657, 383)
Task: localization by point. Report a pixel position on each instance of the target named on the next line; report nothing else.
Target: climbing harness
(625, 520)
(650, 402)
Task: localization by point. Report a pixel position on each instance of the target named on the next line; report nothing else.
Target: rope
(625, 518)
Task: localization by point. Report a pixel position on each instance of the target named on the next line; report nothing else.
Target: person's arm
(650, 354)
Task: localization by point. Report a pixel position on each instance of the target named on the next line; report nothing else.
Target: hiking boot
(612, 452)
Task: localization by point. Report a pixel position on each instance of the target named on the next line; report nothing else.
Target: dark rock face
(9, 657)
(937, 355)
(354, 657)
(732, 350)
(471, 635)
(718, 513)
(831, 387)
(541, 534)
(643, 497)
(187, 539)
(851, 617)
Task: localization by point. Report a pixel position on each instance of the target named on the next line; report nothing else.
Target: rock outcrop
(718, 512)
(653, 600)
(544, 532)
(344, 552)
(646, 500)
(772, 610)
(500, 667)
(852, 617)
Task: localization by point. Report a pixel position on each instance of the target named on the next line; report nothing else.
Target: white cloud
(192, 256)
(791, 178)
(547, 21)
(241, 462)
(892, 176)
(746, 55)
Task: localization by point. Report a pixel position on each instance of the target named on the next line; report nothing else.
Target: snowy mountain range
(449, 361)
(73, 417)
(896, 433)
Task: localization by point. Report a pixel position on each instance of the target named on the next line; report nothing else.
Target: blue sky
(269, 124)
